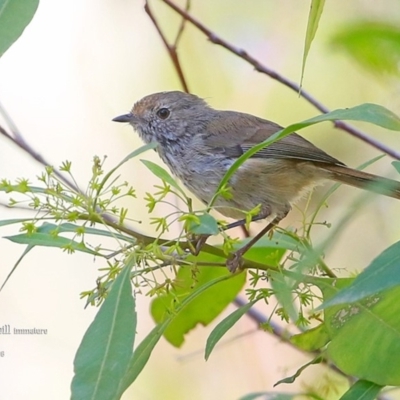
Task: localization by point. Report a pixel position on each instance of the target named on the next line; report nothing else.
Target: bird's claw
(234, 262)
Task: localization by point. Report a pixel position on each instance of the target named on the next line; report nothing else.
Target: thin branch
(182, 26)
(274, 75)
(171, 48)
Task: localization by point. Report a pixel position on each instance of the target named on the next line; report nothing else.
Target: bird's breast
(200, 173)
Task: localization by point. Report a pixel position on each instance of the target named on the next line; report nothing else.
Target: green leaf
(396, 164)
(373, 45)
(135, 153)
(189, 281)
(367, 112)
(15, 15)
(68, 227)
(161, 173)
(316, 8)
(291, 379)
(372, 113)
(208, 225)
(283, 287)
(14, 221)
(19, 189)
(362, 390)
(104, 354)
(311, 340)
(383, 273)
(365, 336)
(140, 150)
(48, 240)
(26, 251)
(224, 326)
(142, 354)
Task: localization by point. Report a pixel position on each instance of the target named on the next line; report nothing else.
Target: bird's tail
(363, 180)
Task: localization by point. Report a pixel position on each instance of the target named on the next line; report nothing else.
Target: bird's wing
(243, 131)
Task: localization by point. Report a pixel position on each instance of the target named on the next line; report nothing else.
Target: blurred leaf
(283, 287)
(396, 164)
(208, 225)
(187, 281)
(106, 349)
(316, 8)
(383, 273)
(14, 221)
(362, 390)
(374, 45)
(15, 15)
(291, 379)
(19, 189)
(372, 113)
(219, 331)
(312, 339)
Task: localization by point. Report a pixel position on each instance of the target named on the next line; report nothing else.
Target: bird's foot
(235, 261)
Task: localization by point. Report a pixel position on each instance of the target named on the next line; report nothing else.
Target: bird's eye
(163, 113)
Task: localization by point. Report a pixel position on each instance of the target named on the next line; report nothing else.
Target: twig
(171, 48)
(182, 26)
(274, 75)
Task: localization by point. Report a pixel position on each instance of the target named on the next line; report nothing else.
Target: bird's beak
(124, 118)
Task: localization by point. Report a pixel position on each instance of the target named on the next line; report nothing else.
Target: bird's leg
(235, 260)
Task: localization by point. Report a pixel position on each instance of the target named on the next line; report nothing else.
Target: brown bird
(199, 144)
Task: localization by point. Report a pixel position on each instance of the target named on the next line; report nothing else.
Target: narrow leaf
(68, 227)
(396, 164)
(48, 240)
(362, 390)
(161, 173)
(224, 326)
(14, 221)
(135, 153)
(105, 351)
(283, 287)
(316, 8)
(26, 251)
(383, 273)
(15, 16)
(372, 113)
(142, 354)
